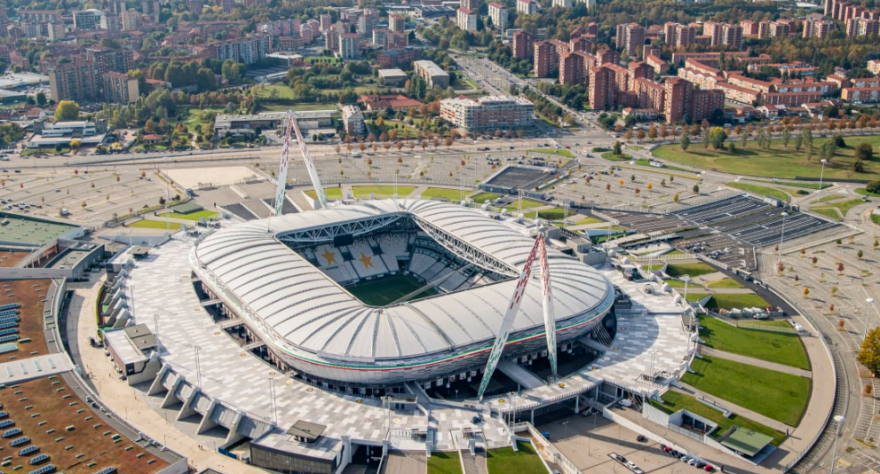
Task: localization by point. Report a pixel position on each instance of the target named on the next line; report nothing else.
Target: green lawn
(776, 395)
(387, 290)
(830, 197)
(725, 282)
(151, 224)
(508, 461)
(553, 151)
(480, 198)
(761, 190)
(843, 206)
(675, 401)
(381, 192)
(864, 192)
(333, 194)
(325, 59)
(693, 269)
(44, 151)
(444, 462)
(447, 193)
(193, 216)
(777, 162)
(589, 220)
(554, 214)
(644, 162)
(610, 156)
(827, 212)
(875, 218)
(730, 300)
(799, 184)
(780, 348)
(295, 107)
(264, 91)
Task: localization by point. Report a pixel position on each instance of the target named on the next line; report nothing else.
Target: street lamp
(839, 419)
(821, 175)
(686, 279)
(781, 237)
(869, 303)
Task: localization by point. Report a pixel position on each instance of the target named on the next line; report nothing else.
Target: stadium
(373, 295)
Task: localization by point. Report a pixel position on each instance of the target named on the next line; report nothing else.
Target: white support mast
(310, 166)
(549, 314)
(282, 167)
(507, 322)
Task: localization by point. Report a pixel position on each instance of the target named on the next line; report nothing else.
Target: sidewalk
(119, 396)
(756, 362)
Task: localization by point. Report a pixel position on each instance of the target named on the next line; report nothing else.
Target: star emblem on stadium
(366, 260)
(329, 256)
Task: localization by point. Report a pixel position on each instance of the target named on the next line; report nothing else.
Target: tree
(786, 136)
(684, 141)
(41, 99)
(67, 110)
(806, 292)
(675, 198)
(864, 151)
(860, 254)
(75, 144)
(697, 188)
(617, 148)
(869, 355)
(717, 135)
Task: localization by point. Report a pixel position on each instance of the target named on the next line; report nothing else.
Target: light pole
(869, 303)
(781, 238)
(274, 406)
(686, 279)
(821, 175)
(839, 419)
(564, 429)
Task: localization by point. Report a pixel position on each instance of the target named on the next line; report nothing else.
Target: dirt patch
(31, 295)
(44, 409)
(9, 258)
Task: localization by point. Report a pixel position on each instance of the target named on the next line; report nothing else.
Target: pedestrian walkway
(756, 362)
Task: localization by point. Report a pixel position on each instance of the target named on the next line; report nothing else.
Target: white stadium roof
(311, 312)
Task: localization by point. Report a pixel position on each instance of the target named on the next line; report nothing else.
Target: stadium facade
(292, 280)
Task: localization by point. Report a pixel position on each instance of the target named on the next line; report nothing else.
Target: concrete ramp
(404, 462)
(522, 376)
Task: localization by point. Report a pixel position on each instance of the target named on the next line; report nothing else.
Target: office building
(488, 113)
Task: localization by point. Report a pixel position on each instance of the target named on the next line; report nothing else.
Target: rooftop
(747, 442)
(30, 230)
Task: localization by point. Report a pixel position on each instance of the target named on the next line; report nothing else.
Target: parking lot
(587, 442)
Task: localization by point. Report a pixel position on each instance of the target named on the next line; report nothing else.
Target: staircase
(468, 462)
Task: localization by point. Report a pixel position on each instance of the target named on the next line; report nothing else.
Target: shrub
(873, 187)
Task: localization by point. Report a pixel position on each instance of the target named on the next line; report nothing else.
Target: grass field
(480, 198)
(554, 214)
(798, 184)
(725, 283)
(194, 216)
(776, 395)
(875, 218)
(827, 212)
(508, 461)
(830, 197)
(295, 107)
(692, 269)
(864, 192)
(151, 224)
(761, 190)
(778, 162)
(333, 194)
(381, 192)
(444, 462)
(843, 207)
(730, 300)
(610, 156)
(644, 162)
(389, 289)
(553, 151)
(780, 348)
(447, 193)
(589, 220)
(281, 91)
(675, 401)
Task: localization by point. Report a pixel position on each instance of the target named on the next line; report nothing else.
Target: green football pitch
(389, 289)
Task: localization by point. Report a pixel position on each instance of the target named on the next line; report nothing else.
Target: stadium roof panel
(305, 313)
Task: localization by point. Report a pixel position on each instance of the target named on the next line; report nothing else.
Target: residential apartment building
(87, 19)
(353, 120)
(678, 35)
(393, 58)
(631, 38)
(526, 7)
(874, 66)
(602, 93)
(498, 13)
(75, 80)
(349, 46)
(679, 94)
(119, 88)
(523, 45)
(396, 22)
(571, 69)
(545, 59)
(466, 19)
(817, 28)
(488, 113)
(243, 50)
(433, 74)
